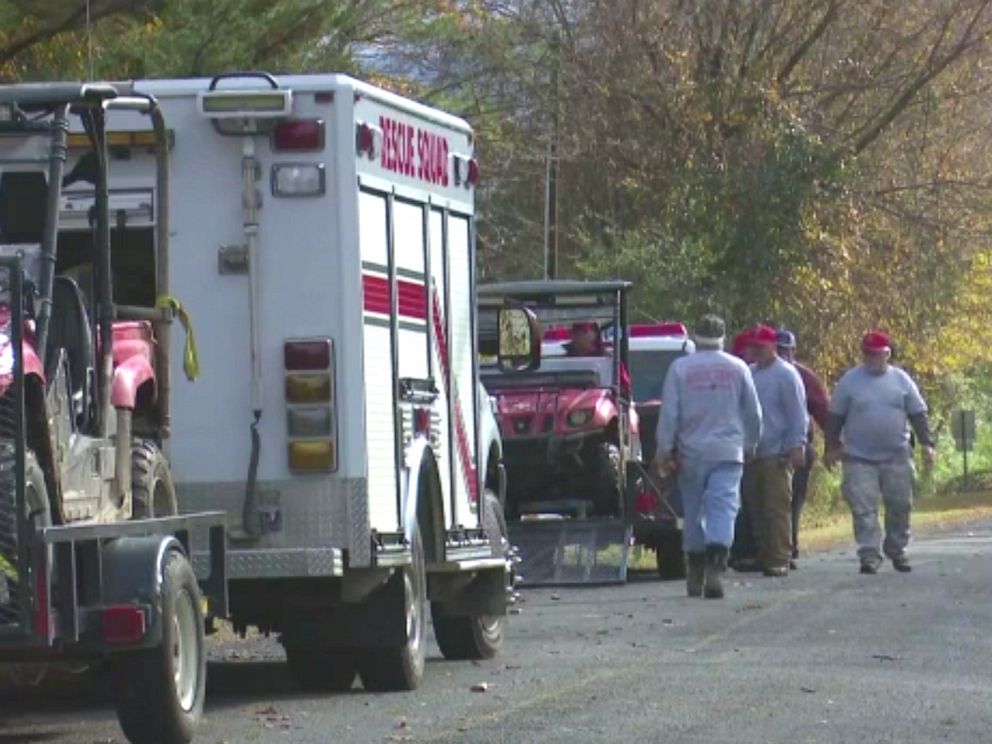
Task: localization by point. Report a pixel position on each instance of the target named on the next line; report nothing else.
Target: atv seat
(69, 329)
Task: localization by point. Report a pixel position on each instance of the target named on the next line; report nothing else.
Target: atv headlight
(580, 417)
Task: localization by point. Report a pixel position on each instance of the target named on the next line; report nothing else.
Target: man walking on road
(709, 419)
(817, 403)
(767, 483)
(870, 408)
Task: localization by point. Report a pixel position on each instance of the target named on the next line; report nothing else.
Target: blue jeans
(711, 498)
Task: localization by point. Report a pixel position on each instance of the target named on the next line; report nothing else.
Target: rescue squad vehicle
(323, 235)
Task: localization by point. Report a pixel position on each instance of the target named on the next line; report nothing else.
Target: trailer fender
(130, 375)
(133, 572)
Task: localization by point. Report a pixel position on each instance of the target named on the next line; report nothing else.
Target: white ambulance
(323, 235)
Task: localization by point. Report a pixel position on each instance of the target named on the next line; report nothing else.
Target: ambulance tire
(159, 692)
(26, 675)
(607, 493)
(477, 636)
(153, 492)
(315, 667)
(669, 557)
(401, 668)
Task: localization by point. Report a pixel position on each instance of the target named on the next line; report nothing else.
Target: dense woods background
(818, 163)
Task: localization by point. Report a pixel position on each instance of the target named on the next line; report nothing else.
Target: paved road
(823, 656)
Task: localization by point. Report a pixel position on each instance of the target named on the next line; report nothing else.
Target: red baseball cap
(875, 341)
(741, 340)
(583, 326)
(764, 336)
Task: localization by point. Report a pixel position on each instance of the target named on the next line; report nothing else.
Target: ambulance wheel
(607, 493)
(402, 667)
(477, 636)
(153, 493)
(159, 691)
(316, 667)
(669, 556)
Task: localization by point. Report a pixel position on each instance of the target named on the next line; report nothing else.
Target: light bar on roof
(269, 103)
(667, 328)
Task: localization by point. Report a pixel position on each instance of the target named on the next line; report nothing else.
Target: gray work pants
(868, 484)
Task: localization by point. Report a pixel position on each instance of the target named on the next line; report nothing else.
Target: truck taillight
(298, 135)
(311, 456)
(310, 404)
(308, 389)
(309, 422)
(123, 624)
(300, 356)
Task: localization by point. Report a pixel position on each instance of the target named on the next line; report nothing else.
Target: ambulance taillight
(310, 419)
(298, 135)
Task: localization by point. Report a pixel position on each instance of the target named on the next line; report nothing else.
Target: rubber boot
(695, 565)
(716, 565)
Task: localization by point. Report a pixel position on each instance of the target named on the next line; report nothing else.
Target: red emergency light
(466, 171)
(307, 355)
(668, 328)
(298, 135)
(557, 333)
(365, 136)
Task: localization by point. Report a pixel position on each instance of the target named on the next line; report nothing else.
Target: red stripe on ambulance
(411, 295)
(461, 432)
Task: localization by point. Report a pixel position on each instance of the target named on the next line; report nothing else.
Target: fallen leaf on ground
(885, 657)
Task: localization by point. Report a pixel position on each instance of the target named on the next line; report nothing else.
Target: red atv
(568, 427)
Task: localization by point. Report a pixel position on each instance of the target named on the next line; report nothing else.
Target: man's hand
(664, 465)
(797, 457)
(929, 457)
(831, 456)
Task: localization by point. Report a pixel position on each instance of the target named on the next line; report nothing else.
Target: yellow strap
(191, 359)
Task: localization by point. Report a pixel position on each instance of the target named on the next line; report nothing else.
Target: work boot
(870, 564)
(716, 564)
(901, 564)
(695, 564)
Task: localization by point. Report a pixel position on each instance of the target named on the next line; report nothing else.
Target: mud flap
(558, 552)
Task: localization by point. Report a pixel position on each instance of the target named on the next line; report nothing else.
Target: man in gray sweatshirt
(767, 484)
(710, 417)
(871, 407)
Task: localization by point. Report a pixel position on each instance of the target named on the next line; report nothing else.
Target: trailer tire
(26, 675)
(153, 492)
(607, 495)
(669, 557)
(315, 667)
(401, 668)
(463, 637)
(159, 691)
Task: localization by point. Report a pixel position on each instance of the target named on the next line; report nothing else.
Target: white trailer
(323, 235)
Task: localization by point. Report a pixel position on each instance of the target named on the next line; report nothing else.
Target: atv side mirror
(519, 340)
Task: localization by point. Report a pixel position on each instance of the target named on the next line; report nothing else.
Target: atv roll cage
(561, 303)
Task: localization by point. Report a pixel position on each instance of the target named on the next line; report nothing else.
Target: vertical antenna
(89, 39)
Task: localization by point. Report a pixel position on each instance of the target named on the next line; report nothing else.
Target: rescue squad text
(428, 161)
